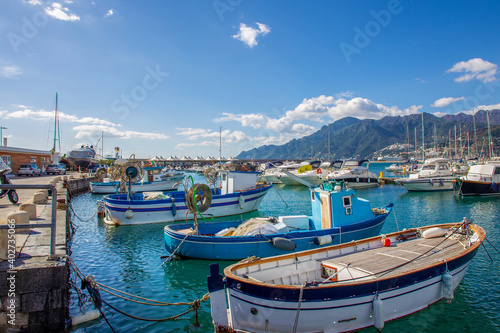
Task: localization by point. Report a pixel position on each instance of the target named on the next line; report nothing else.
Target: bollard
(381, 174)
(40, 198)
(19, 217)
(4, 242)
(30, 208)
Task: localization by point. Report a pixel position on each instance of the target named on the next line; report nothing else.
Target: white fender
(378, 313)
(241, 201)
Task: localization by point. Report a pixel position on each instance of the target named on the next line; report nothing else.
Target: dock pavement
(33, 285)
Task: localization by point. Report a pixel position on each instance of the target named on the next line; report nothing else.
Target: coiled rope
(94, 289)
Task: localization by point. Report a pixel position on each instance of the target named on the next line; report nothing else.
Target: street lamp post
(1, 134)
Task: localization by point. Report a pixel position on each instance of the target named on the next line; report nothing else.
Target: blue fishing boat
(338, 216)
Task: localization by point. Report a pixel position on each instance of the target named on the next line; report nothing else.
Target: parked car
(95, 167)
(59, 169)
(29, 170)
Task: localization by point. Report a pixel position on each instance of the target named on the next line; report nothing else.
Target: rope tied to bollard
(94, 288)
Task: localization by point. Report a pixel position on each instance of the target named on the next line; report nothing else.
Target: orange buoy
(318, 171)
(386, 242)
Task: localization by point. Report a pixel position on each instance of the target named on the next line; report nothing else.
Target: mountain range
(355, 138)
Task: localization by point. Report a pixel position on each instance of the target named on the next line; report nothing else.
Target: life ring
(200, 193)
(243, 168)
(318, 171)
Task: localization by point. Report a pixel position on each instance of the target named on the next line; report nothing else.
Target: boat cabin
(434, 167)
(484, 173)
(237, 181)
(334, 205)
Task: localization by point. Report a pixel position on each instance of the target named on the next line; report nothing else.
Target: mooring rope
(70, 204)
(94, 287)
(298, 308)
(173, 253)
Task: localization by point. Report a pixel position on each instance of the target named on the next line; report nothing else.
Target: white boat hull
(161, 210)
(349, 286)
(334, 315)
(425, 185)
(312, 178)
(162, 185)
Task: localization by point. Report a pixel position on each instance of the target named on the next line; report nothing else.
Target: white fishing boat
(153, 179)
(355, 174)
(435, 175)
(238, 194)
(345, 287)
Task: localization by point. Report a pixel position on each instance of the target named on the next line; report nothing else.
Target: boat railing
(51, 225)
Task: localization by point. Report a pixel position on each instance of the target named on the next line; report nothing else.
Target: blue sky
(162, 77)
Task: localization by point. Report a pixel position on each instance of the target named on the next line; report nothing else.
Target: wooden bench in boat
(413, 255)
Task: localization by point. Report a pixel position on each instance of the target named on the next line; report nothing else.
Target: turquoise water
(128, 258)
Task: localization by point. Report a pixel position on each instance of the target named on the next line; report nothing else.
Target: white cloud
(248, 35)
(10, 71)
(34, 2)
(487, 107)
(56, 10)
(440, 114)
(95, 131)
(109, 13)
(319, 109)
(476, 68)
(27, 113)
(446, 101)
(194, 134)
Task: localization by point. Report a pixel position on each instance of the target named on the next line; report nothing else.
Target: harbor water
(129, 258)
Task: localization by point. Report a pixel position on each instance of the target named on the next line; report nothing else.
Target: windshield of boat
(428, 167)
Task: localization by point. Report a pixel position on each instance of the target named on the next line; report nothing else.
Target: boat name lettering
(347, 320)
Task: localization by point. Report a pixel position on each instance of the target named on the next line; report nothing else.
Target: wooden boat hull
(207, 247)
(271, 294)
(161, 210)
(331, 312)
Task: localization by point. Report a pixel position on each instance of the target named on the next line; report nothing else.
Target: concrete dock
(33, 285)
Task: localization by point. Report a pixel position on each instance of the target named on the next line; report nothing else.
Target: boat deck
(400, 257)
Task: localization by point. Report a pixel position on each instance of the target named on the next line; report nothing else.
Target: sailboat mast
(490, 150)
(220, 144)
(435, 138)
(475, 134)
(455, 141)
(329, 142)
(408, 140)
(468, 146)
(56, 129)
(415, 143)
(423, 138)
(449, 135)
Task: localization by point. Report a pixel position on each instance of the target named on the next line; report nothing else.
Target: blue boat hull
(207, 246)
